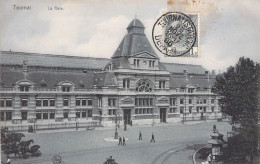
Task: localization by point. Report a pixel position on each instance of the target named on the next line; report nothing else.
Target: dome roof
(135, 23)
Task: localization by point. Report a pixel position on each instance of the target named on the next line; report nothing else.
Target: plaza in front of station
(175, 143)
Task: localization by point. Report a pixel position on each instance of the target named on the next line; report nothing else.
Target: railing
(56, 125)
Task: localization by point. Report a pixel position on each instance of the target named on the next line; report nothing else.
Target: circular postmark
(174, 34)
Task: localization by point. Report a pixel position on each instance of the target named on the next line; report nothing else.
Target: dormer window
(24, 88)
(65, 89)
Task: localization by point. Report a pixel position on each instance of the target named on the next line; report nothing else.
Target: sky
(94, 28)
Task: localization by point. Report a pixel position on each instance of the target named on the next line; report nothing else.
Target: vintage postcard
(129, 81)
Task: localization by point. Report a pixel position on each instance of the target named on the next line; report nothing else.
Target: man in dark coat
(152, 140)
(124, 141)
(140, 135)
(120, 141)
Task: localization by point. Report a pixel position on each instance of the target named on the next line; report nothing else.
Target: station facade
(133, 86)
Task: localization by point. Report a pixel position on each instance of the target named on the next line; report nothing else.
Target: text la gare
(55, 8)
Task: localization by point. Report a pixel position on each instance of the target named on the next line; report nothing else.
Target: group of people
(141, 137)
(120, 141)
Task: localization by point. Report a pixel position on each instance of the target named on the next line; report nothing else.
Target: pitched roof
(47, 60)
(9, 77)
(179, 68)
(181, 81)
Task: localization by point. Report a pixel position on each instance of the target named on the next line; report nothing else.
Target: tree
(238, 88)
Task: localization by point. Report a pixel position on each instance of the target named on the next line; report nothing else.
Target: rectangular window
(38, 102)
(136, 111)
(198, 101)
(181, 101)
(212, 101)
(198, 109)
(65, 113)
(52, 102)
(84, 114)
(190, 109)
(181, 110)
(89, 113)
(45, 103)
(144, 111)
(24, 103)
(89, 102)
(204, 109)
(8, 116)
(172, 110)
(77, 102)
(2, 116)
(136, 102)
(212, 109)
(8, 103)
(151, 102)
(52, 115)
(205, 101)
(111, 102)
(65, 102)
(172, 101)
(24, 115)
(2, 103)
(126, 83)
(190, 101)
(45, 115)
(140, 111)
(78, 114)
(190, 90)
(38, 115)
(84, 102)
(162, 84)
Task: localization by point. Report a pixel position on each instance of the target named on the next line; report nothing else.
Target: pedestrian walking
(120, 141)
(152, 140)
(125, 128)
(140, 136)
(124, 141)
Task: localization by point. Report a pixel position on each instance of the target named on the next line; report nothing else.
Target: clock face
(144, 63)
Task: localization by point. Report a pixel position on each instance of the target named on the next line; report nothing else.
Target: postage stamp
(177, 34)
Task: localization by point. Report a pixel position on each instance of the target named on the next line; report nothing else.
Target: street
(175, 143)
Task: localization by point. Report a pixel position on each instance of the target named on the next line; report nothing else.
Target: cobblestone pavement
(174, 144)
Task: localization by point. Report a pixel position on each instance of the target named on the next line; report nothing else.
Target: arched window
(144, 86)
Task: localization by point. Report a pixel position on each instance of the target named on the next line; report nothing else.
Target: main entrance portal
(162, 114)
(127, 116)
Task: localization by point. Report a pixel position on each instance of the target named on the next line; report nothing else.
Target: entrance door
(162, 114)
(24, 115)
(127, 116)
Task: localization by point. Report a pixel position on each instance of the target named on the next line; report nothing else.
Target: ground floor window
(181, 110)
(45, 115)
(65, 113)
(6, 116)
(112, 112)
(24, 115)
(190, 109)
(78, 113)
(144, 111)
(89, 113)
(52, 115)
(172, 110)
(84, 114)
(38, 115)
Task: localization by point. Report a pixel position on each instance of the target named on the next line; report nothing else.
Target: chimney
(207, 74)
(185, 74)
(25, 69)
